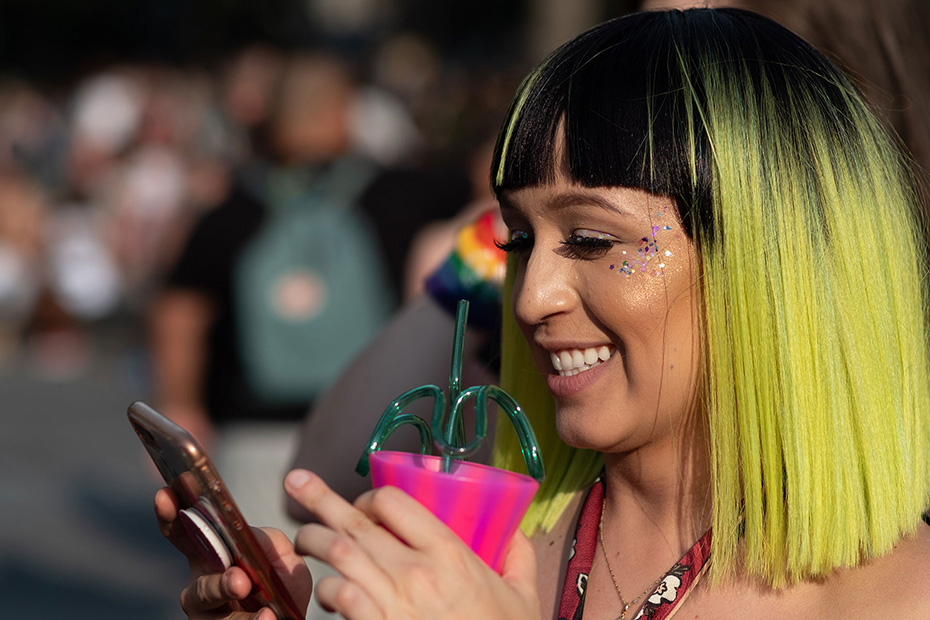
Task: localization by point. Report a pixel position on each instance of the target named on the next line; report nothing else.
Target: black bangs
(629, 97)
(618, 90)
(629, 117)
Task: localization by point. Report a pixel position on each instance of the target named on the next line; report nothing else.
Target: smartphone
(208, 511)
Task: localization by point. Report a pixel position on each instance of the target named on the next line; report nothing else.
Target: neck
(658, 497)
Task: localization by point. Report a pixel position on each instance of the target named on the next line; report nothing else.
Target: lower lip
(564, 387)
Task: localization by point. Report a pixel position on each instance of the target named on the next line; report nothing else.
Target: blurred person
(410, 67)
(200, 362)
(82, 273)
(115, 221)
(144, 200)
(246, 93)
(82, 286)
(243, 341)
(32, 133)
(81, 282)
(104, 115)
(382, 128)
(175, 164)
(23, 219)
(284, 281)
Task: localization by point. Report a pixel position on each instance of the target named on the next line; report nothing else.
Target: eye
(518, 242)
(588, 244)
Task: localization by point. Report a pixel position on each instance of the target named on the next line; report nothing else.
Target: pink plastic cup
(483, 505)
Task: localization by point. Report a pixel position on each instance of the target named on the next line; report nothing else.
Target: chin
(587, 432)
(579, 435)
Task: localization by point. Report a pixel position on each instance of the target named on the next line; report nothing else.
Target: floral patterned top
(670, 591)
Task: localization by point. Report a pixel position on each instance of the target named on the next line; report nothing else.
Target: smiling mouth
(570, 362)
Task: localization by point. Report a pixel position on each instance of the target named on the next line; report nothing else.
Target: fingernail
(297, 479)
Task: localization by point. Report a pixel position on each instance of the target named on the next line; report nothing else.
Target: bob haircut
(812, 271)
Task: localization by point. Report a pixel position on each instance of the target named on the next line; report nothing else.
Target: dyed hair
(811, 268)
(882, 45)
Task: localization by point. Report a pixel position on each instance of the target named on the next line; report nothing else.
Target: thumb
(519, 567)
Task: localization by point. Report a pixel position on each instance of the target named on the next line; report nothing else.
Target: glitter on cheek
(649, 248)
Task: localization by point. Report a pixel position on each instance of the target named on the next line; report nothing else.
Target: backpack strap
(348, 178)
(340, 183)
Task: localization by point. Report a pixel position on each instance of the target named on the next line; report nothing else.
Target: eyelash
(516, 244)
(586, 248)
(576, 246)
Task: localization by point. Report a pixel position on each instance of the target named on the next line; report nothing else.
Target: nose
(542, 288)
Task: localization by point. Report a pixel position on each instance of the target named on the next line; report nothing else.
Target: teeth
(590, 356)
(570, 362)
(577, 358)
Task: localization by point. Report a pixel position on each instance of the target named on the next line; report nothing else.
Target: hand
(211, 595)
(399, 562)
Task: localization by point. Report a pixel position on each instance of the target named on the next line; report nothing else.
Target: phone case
(210, 514)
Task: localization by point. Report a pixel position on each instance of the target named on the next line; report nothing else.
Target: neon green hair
(813, 274)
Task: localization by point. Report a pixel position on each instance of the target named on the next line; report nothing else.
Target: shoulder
(896, 584)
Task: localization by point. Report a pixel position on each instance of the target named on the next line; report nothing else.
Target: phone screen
(208, 510)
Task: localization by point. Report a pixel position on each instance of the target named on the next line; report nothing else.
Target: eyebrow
(574, 198)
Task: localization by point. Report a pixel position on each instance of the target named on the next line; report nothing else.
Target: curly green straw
(447, 432)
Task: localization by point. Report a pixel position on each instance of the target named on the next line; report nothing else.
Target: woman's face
(605, 296)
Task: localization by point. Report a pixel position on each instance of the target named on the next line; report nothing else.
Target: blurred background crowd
(123, 126)
(122, 123)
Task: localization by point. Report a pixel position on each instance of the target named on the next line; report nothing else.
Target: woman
(882, 44)
(718, 285)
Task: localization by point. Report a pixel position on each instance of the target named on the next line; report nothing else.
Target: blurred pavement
(78, 538)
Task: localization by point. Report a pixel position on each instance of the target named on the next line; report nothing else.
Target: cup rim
(462, 469)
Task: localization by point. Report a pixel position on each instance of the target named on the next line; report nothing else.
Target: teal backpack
(311, 290)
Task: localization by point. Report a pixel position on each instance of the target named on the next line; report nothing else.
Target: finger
(285, 562)
(351, 559)
(346, 539)
(406, 518)
(519, 566)
(278, 548)
(339, 595)
(167, 508)
(166, 505)
(331, 509)
(214, 590)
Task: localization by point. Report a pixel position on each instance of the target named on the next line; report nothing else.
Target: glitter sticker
(648, 250)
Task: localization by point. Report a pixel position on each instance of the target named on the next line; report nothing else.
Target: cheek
(650, 259)
(654, 310)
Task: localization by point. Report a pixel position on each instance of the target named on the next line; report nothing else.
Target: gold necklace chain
(626, 606)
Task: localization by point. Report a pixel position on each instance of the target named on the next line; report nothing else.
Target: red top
(671, 590)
